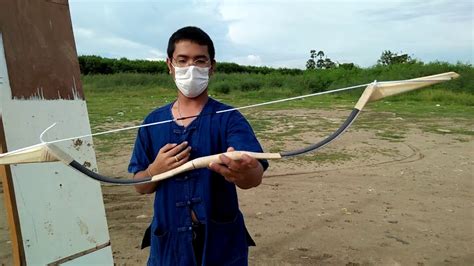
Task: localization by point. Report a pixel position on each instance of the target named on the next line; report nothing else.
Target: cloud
(90, 42)
(442, 10)
(350, 31)
(138, 25)
(249, 60)
(280, 33)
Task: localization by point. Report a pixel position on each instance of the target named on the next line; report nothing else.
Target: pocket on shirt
(227, 242)
(161, 252)
(160, 233)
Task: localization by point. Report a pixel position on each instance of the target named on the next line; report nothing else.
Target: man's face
(188, 53)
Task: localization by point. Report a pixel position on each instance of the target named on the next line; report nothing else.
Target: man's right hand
(170, 156)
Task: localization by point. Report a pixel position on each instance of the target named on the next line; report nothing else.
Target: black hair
(193, 34)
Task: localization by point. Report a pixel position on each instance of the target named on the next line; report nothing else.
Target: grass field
(120, 100)
(392, 190)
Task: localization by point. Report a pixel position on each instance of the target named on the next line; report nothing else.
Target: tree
(328, 63)
(388, 58)
(311, 64)
(320, 62)
(385, 58)
(347, 66)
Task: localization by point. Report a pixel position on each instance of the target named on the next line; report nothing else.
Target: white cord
(218, 112)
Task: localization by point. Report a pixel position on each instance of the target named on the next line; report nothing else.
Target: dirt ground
(392, 203)
(407, 202)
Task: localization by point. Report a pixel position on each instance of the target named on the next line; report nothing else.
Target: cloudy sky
(280, 33)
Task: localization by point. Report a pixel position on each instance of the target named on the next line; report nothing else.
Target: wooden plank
(98, 257)
(84, 256)
(41, 53)
(18, 252)
(60, 212)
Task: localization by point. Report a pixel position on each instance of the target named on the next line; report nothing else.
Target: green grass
(451, 130)
(391, 136)
(119, 100)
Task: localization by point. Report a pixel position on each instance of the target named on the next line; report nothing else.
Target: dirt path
(416, 210)
(389, 202)
(369, 201)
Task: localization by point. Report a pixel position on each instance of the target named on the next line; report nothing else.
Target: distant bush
(224, 67)
(250, 85)
(460, 90)
(92, 64)
(128, 81)
(220, 87)
(276, 81)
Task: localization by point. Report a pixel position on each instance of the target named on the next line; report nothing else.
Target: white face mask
(191, 80)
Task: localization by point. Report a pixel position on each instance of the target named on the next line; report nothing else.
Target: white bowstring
(221, 111)
(105, 132)
(175, 119)
(293, 98)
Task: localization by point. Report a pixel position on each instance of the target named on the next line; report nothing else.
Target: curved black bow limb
(48, 151)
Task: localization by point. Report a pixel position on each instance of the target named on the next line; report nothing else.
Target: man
(196, 215)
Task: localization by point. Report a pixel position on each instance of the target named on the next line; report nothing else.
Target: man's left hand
(245, 173)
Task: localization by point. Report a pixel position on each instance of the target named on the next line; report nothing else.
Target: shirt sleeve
(140, 159)
(241, 136)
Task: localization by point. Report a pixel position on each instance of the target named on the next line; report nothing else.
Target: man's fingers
(175, 150)
(183, 154)
(181, 161)
(249, 161)
(237, 165)
(168, 147)
(231, 164)
(221, 169)
(224, 159)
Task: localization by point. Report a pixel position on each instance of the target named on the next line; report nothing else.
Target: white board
(61, 212)
(100, 257)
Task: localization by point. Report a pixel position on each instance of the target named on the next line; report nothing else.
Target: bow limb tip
(33, 154)
(376, 91)
(394, 88)
(41, 137)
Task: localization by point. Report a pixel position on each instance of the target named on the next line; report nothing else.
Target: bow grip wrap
(234, 155)
(204, 162)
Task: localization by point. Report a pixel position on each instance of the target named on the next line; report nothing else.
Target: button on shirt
(207, 194)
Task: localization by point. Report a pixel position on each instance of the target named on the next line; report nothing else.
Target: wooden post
(18, 252)
(55, 214)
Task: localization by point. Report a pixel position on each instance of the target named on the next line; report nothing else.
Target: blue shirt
(209, 195)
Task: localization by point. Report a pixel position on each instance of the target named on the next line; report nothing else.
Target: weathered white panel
(99, 257)
(61, 212)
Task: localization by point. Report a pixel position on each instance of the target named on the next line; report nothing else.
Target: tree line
(92, 64)
(318, 60)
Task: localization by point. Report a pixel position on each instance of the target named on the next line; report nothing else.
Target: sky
(280, 33)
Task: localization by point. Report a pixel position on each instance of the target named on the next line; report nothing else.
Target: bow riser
(204, 162)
